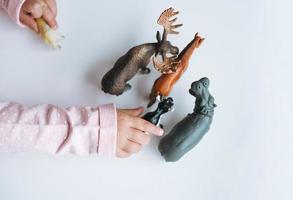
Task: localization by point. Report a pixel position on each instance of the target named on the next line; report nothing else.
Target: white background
(247, 55)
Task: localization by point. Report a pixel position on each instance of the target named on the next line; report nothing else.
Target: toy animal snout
(199, 87)
(174, 50)
(198, 39)
(166, 47)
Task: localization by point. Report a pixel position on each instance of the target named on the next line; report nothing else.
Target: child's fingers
(133, 112)
(29, 21)
(146, 126)
(122, 154)
(33, 8)
(49, 17)
(139, 137)
(132, 147)
(52, 5)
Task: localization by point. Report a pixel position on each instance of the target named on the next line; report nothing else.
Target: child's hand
(133, 132)
(33, 9)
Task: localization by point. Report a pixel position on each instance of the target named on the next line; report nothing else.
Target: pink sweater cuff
(13, 10)
(108, 130)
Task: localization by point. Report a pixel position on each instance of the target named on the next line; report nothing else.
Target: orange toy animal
(172, 69)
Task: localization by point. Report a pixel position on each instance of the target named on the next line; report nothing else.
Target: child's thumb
(35, 9)
(29, 21)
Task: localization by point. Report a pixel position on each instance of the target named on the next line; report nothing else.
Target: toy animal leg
(116, 87)
(154, 96)
(145, 70)
(143, 66)
(127, 87)
(160, 98)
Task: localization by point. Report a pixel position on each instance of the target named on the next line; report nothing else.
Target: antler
(169, 66)
(165, 21)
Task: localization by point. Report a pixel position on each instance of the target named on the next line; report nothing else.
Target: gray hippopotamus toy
(188, 132)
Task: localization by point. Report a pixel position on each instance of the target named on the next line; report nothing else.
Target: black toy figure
(138, 58)
(166, 105)
(188, 132)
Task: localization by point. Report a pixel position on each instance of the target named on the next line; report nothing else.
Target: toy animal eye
(205, 84)
(198, 87)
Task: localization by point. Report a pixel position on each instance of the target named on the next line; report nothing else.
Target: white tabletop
(247, 154)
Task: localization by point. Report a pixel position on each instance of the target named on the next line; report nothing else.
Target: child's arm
(79, 130)
(24, 12)
(49, 129)
(12, 7)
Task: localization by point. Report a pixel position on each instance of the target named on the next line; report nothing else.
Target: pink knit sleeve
(49, 129)
(13, 7)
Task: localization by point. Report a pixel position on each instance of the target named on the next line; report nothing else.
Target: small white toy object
(48, 35)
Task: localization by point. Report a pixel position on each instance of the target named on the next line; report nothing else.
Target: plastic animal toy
(164, 84)
(189, 131)
(166, 105)
(48, 35)
(138, 58)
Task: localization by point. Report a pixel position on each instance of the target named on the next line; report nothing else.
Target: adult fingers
(29, 21)
(132, 147)
(133, 112)
(52, 5)
(34, 8)
(139, 137)
(49, 17)
(146, 126)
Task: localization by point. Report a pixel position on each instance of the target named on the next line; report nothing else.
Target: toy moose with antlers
(172, 69)
(138, 58)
